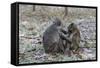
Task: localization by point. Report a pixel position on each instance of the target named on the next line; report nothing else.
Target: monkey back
(51, 38)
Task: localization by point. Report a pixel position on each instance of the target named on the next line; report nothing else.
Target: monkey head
(57, 22)
(72, 27)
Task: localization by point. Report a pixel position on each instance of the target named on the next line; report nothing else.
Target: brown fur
(74, 36)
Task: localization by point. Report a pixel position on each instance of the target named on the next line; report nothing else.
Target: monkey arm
(64, 37)
(72, 34)
(64, 31)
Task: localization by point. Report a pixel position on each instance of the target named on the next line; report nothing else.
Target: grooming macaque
(51, 40)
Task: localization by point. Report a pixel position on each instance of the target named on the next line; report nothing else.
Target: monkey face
(70, 30)
(71, 27)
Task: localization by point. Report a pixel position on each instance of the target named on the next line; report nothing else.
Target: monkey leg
(68, 50)
(61, 45)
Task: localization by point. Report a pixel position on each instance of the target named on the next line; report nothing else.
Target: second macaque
(74, 35)
(72, 39)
